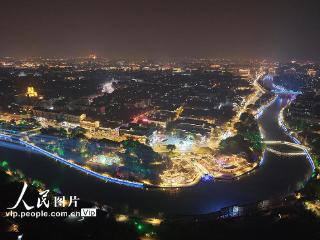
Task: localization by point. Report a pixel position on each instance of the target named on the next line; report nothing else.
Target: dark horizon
(231, 29)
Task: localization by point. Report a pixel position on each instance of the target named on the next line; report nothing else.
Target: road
(277, 176)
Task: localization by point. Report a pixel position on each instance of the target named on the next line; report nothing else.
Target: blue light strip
(264, 107)
(73, 165)
(262, 159)
(281, 124)
(310, 159)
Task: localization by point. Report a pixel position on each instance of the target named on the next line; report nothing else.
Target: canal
(276, 177)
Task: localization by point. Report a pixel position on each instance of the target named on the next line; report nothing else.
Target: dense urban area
(161, 125)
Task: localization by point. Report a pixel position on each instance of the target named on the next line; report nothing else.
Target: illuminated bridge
(285, 153)
(296, 145)
(286, 92)
(268, 80)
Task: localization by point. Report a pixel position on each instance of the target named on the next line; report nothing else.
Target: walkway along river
(277, 176)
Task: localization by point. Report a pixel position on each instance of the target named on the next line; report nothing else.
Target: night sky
(241, 28)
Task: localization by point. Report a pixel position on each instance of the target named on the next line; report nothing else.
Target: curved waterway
(276, 177)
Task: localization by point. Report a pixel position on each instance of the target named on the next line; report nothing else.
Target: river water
(276, 177)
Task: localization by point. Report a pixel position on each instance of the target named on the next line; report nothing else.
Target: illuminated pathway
(201, 170)
(277, 176)
(295, 142)
(278, 90)
(305, 149)
(228, 128)
(73, 165)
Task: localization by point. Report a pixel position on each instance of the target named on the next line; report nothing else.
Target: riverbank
(268, 181)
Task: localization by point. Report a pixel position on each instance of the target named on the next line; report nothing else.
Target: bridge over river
(277, 176)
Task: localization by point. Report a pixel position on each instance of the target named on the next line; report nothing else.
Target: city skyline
(159, 120)
(233, 29)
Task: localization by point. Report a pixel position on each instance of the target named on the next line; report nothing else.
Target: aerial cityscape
(168, 140)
